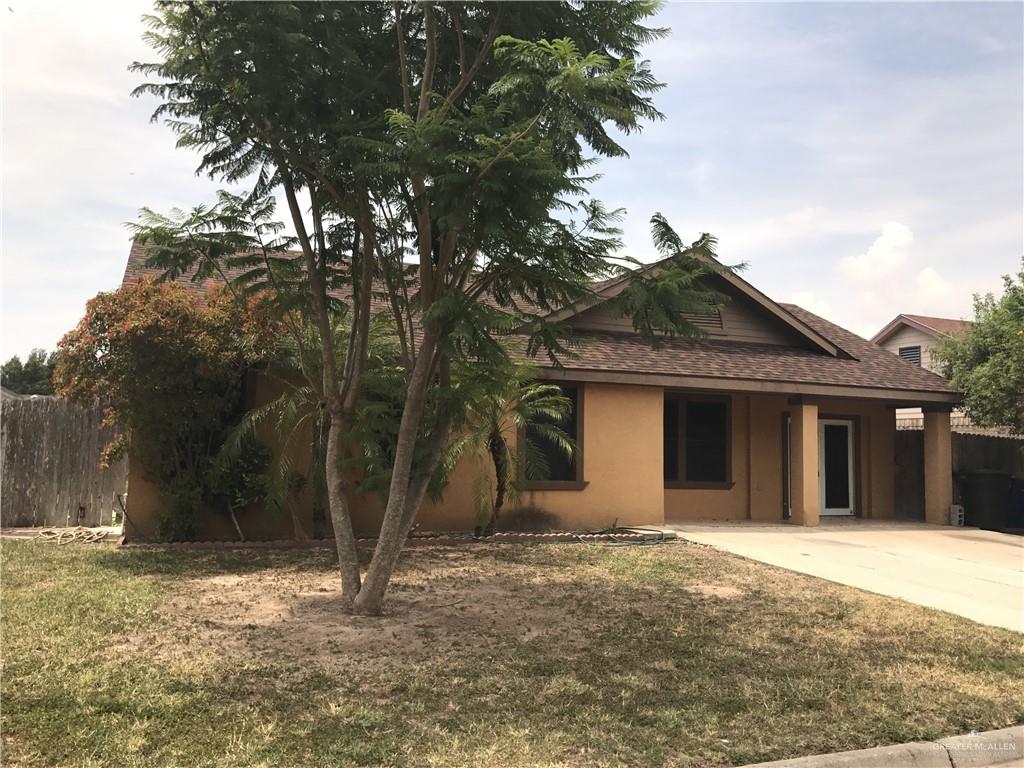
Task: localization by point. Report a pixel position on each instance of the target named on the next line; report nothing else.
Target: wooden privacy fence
(49, 461)
(981, 449)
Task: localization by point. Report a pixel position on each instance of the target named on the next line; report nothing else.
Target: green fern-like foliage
(500, 404)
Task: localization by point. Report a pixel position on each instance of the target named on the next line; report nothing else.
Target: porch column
(804, 464)
(938, 467)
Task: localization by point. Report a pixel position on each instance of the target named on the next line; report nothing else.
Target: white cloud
(886, 255)
(811, 302)
(932, 288)
(890, 278)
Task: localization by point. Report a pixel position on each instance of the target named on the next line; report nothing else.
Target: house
(776, 415)
(913, 337)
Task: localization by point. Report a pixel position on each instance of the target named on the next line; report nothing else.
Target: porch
(823, 465)
(797, 459)
(651, 454)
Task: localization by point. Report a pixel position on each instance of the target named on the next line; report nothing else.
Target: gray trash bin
(986, 499)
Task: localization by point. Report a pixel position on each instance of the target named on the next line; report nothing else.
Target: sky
(861, 159)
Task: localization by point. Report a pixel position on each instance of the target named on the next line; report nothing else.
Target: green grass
(556, 655)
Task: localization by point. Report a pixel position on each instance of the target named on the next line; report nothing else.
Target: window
(671, 433)
(911, 354)
(560, 471)
(697, 442)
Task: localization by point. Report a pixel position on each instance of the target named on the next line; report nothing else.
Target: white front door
(836, 482)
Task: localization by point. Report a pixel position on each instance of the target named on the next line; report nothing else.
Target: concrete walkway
(974, 573)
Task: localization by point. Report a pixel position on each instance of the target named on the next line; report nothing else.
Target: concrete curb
(1004, 747)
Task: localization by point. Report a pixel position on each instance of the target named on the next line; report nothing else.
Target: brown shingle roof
(872, 367)
(869, 366)
(945, 325)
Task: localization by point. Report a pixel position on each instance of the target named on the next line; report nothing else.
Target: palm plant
(504, 405)
(298, 415)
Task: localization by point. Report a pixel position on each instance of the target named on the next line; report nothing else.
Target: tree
(31, 378)
(460, 135)
(986, 362)
(170, 373)
(507, 401)
(296, 416)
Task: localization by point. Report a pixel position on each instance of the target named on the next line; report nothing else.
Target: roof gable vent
(711, 321)
(911, 354)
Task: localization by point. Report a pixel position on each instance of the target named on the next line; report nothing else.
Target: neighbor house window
(553, 469)
(697, 442)
(911, 354)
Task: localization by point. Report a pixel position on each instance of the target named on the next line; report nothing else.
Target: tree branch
(361, 322)
(430, 64)
(403, 61)
(515, 140)
(468, 75)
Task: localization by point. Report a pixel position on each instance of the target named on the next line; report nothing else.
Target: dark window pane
(837, 466)
(559, 466)
(671, 436)
(707, 425)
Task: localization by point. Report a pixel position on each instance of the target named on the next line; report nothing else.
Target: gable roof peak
(929, 324)
(609, 289)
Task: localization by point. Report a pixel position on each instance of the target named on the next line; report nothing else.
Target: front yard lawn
(491, 655)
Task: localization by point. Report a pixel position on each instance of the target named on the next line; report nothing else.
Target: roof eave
(907, 397)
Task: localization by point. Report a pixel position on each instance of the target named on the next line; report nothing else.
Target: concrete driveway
(974, 573)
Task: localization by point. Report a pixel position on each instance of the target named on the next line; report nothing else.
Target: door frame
(851, 464)
(787, 465)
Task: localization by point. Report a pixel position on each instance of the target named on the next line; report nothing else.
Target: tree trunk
(393, 528)
(231, 513)
(341, 519)
(499, 455)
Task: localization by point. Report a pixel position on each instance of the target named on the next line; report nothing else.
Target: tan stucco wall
(804, 460)
(765, 457)
(622, 462)
(622, 466)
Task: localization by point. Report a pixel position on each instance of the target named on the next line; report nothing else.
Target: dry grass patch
(500, 655)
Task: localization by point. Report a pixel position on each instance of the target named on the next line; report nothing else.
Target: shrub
(170, 372)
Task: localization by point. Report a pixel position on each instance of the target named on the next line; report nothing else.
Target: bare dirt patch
(436, 603)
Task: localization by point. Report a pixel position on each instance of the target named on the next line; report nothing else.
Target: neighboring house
(777, 414)
(913, 337)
